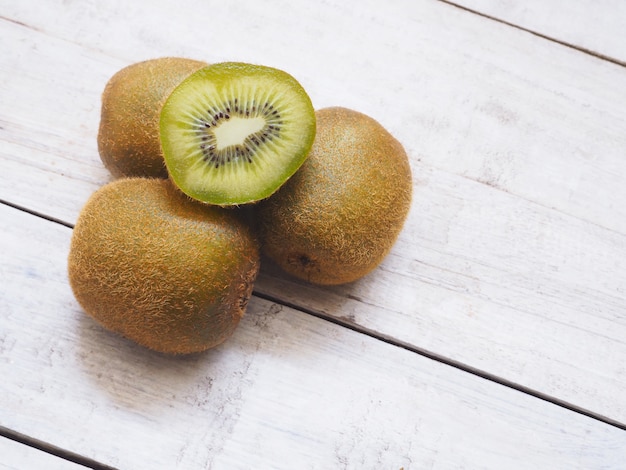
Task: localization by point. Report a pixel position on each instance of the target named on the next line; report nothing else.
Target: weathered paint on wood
(511, 263)
(288, 390)
(595, 26)
(17, 456)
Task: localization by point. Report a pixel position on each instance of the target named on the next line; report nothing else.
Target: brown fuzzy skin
(128, 136)
(337, 218)
(169, 273)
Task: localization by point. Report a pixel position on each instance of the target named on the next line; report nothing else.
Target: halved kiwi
(233, 133)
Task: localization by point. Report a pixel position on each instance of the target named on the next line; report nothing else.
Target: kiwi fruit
(128, 136)
(232, 133)
(337, 218)
(167, 272)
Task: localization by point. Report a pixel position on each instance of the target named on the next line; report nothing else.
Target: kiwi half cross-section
(233, 133)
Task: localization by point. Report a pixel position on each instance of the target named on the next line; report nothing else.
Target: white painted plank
(463, 93)
(598, 26)
(486, 279)
(517, 275)
(16, 456)
(288, 390)
(48, 121)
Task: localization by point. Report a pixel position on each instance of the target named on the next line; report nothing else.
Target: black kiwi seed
(270, 131)
(212, 163)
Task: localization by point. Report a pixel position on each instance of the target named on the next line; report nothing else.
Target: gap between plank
(381, 337)
(446, 361)
(52, 450)
(535, 33)
(37, 214)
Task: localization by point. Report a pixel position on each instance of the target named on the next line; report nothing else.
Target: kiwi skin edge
(339, 215)
(128, 135)
(169, 273)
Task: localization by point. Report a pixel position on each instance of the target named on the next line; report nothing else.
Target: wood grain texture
(512, 259)
(16, 456)
(469, 95)
(486, 279)
(288, 390)
(596, 26)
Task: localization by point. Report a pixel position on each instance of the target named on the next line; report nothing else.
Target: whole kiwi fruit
(128, 136)
(337, 218)
(165, 271)
(232, 133)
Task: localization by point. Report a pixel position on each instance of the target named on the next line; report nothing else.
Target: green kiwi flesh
(233, 133)
(167, 272)
(337, 218)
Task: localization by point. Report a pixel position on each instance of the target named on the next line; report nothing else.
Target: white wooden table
(492, 337)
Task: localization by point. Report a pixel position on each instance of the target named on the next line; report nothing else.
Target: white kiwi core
(236, 129)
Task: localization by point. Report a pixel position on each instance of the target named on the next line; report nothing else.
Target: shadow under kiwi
(334, 303)
(143, 380)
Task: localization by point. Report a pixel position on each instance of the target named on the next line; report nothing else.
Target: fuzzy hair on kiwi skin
(128, 135)
(165, 271)
(337, 218)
